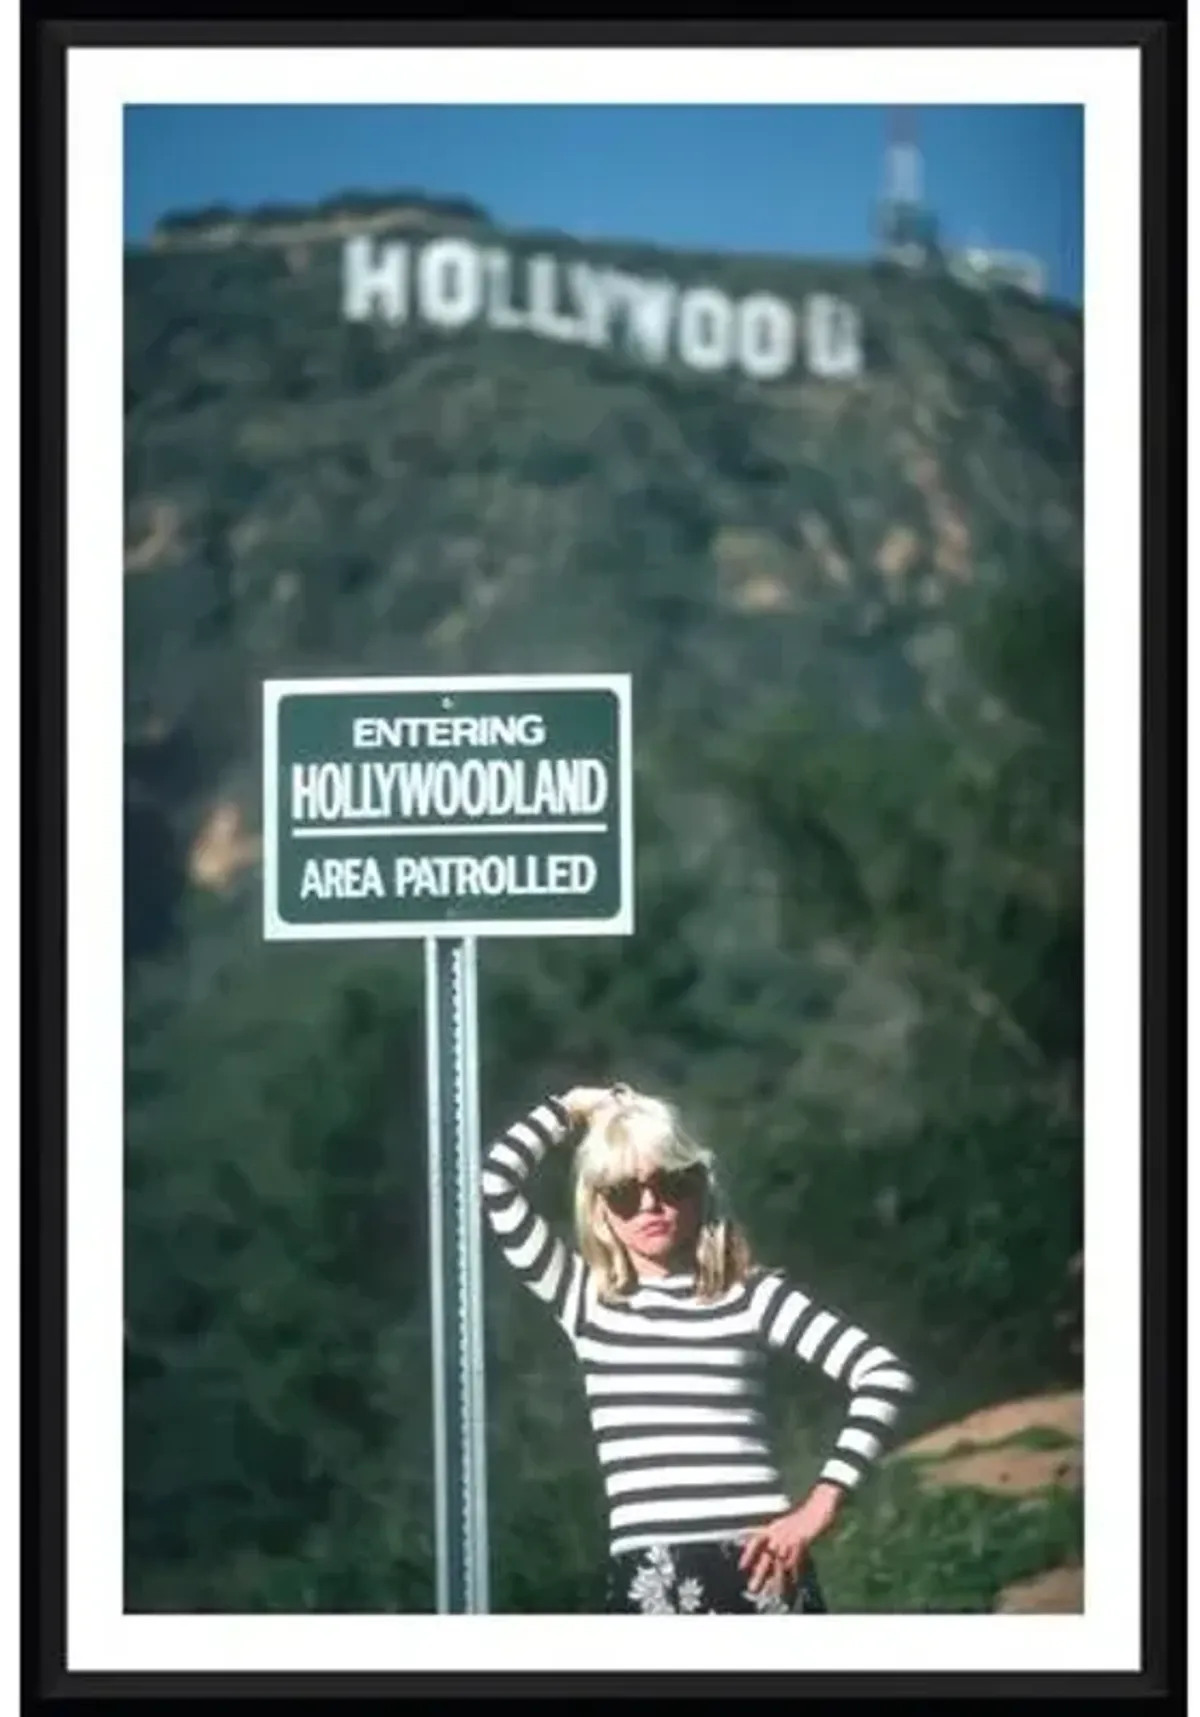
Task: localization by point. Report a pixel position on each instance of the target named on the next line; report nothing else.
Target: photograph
(586, 1042)
(809, 473)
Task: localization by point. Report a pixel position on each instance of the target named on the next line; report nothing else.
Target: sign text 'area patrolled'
(489, 806)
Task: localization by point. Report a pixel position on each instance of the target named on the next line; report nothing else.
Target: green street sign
(487, 806)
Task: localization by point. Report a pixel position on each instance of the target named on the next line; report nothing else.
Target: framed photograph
(601, 603)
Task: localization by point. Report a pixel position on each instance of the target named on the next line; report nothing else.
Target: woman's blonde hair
(627, 1132)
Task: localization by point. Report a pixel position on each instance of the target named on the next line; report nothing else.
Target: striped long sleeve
(877, 1382)
(542, 1261)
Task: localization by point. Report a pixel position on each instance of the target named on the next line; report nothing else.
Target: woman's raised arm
(542, 1261)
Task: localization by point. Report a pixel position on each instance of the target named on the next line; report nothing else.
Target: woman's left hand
(775, 1553)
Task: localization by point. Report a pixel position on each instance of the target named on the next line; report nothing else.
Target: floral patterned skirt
(700, 1579)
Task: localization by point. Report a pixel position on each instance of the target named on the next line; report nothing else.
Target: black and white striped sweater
(675, 1386)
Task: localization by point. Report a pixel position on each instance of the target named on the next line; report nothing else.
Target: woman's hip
(701, 1579)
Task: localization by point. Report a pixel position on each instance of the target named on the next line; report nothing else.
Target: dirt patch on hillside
(979, 1452)
(899, 550)
(1059, 1591)
(1017, 1472)
(1061, 1413)
(158, 540)
(222, 849)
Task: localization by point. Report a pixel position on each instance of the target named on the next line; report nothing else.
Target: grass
(903, 1548)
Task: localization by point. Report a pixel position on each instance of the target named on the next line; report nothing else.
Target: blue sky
(768, 179)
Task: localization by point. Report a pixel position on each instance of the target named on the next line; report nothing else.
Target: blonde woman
(671, 1321)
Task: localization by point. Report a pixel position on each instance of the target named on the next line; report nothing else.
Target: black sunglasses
(669, 1186)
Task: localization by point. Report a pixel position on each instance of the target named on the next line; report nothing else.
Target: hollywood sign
(452, 283)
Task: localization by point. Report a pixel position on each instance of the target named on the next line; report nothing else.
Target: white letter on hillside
(500, 311)
(451, 282)
(544, 317)
(593, 292)
(766, 336)
(649, 304)
(371, 277)
(705, 329)
(834, 344)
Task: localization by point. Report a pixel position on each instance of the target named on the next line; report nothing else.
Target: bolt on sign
(488, 806)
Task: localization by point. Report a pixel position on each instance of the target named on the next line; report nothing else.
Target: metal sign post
(455, 1267)
(450, 809)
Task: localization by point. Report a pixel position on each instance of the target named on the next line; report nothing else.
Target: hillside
(849, 594)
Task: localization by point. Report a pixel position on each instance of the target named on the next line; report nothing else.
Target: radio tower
(903, 159)
(907, 232)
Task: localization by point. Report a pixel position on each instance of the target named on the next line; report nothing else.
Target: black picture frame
(46, 43)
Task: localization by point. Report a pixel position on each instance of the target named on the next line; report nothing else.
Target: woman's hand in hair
(582, 1101)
